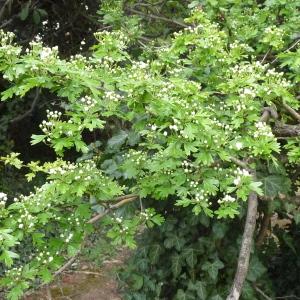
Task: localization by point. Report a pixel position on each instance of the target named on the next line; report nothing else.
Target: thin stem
(288, 49)
(262, 293)
(152, 16)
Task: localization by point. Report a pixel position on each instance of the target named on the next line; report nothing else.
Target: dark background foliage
(186, 257)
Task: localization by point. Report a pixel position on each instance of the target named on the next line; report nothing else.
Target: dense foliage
(161, 111)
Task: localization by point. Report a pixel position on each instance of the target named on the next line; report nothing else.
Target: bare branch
(288, 297)
(288, 49)
(31, 110)
(240, 163)
(285, 130)
(129, 198)
(262, 293)
(66, 265)
(244, 256)
(292, 112)
(161, 18)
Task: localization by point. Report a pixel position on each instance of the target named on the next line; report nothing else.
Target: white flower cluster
(247, 92)
(274, 31)
(115, 38)
(6, 45)
(240, 173)
(6, 37)
(88, 102)
(263, 130)
(226, 199)
(113, 96)
(202, 196)
(239, 145)
(47, 53)
(67, 236)
(136, 157)
(52, 116)
(241, 46)
(193, 183)
(44, 257)
(146, 215)
(279, 79)
(25, 219)
(80, 169)
(14, 273)
(187, 166)
(119, 219)
(3, 199)
(254, 70)
(140, 71)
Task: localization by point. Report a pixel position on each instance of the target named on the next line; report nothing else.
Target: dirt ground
(83, 283)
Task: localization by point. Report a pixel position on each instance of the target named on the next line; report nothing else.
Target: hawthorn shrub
(205, 118)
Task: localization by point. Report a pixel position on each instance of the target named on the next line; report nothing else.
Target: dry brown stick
(125, 199)
(292, 112)
(86, 272)
(66, 265)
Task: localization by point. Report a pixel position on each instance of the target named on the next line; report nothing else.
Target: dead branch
(161, 18)
(262, 293)
(286, 130)
(66, 265)
(31, 110)
(244, 256)
(292, 112)
(287, 50)
(125, 199)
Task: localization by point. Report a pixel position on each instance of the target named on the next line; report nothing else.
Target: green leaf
(213, 268)
(200, 288)
(117, 140)
(25, 11)
(137, 282)
(174, 241)
(45, 275)
(190, 255)
(256, 269)
(274, 184)
(176, 265)
(297, 217)
(255, 187)
(35, 139)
